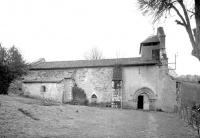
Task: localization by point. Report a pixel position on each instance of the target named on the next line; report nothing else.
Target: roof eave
(41, 81)
(137, 64)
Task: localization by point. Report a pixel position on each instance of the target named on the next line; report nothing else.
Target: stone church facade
(136, 83)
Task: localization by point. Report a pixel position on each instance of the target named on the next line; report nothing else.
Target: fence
(191, 117)
(188, 95)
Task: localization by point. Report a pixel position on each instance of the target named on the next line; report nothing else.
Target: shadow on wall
(79, 96)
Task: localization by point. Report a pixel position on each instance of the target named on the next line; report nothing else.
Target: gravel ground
(23, 117)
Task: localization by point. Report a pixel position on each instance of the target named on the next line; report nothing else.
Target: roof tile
(92, 63)
(150, 39)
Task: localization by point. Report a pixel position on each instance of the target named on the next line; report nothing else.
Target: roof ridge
(93, 63)
(92, 60)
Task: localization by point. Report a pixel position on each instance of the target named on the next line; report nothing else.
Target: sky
(62, 30)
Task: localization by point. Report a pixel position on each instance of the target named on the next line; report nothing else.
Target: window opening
(43, 88)
(156, 54)
(93, 98)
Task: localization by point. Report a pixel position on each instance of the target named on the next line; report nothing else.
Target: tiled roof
(47, 76)
(92, 63)
(150, 39)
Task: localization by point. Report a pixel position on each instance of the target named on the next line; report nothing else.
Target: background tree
(94, 54)
(3, 55)
(6, 78)
(189, 78)
(16, 62)
(172, 72)
(162, 8)
(119, 54)
(12, 66)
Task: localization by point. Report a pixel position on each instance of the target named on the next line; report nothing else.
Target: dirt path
(152, 126)
(22, 117)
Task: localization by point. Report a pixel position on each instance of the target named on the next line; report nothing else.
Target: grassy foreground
(25, 117)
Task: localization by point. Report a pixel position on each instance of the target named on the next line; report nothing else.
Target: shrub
(159, 109)
(102, 104)
(79, 96)
(12, 66)
(16, 87)
(6, 78)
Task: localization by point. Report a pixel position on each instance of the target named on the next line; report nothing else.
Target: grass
(40, 101)
(190, 93)
(27, 113)
(28, 117)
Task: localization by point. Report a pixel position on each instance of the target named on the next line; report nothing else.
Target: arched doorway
(144, 98)
(143, 101)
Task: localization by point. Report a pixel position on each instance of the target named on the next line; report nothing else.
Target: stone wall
(167, 89)
(53, 90)
(67, 92)
(135, 78)
(96, 81)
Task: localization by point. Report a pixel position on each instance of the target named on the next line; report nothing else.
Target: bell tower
(153, 48)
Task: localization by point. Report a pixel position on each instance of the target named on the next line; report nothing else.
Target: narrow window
(43, 88)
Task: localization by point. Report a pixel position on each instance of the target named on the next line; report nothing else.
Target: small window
(116, 84)
(93, 98)
(43, 88)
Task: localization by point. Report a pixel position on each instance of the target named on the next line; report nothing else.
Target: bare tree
(119, 54)
(172, 72)
(162, 8)
(94, 54)
(190, 78)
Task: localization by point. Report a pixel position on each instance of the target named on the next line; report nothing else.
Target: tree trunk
(197, 18)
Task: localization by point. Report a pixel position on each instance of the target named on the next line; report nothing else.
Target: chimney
(37, 62)
(163, 55)
(161, 36)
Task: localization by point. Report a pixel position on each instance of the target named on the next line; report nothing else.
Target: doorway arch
(144, 98)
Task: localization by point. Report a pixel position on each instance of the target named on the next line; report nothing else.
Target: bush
(73, 102)
(159, 110)
(102, 104)
(79, 96)
(6, 78)
(12, 66)
(15, 87)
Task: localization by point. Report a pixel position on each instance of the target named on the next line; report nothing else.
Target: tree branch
(179, 22)
(177, 11)
(188, 26)
(191, 11)
(195, 33)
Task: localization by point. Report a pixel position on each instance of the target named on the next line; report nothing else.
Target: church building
(133, 83)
